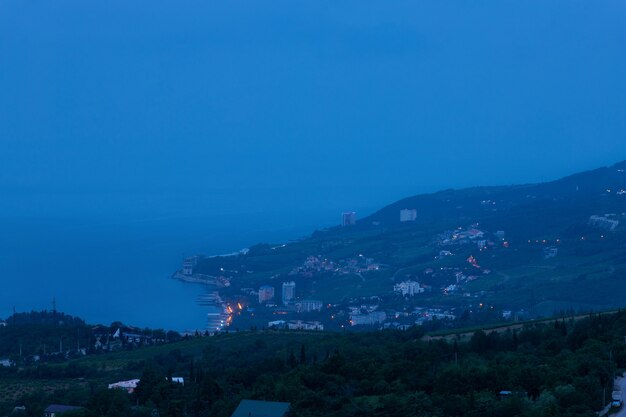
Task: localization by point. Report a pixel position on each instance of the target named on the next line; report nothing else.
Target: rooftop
(253, 408)
(58, 408)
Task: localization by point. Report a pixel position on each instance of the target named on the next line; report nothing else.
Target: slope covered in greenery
(587, 271)
(552, 369)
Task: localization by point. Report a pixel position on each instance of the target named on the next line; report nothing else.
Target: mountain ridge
(580, 179)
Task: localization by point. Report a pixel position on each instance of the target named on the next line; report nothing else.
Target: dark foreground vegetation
(51, 336)
(557, 369)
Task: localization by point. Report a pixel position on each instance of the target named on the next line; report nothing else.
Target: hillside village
(491, 253)
(457, 281)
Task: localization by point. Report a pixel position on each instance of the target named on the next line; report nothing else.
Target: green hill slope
(535, 249)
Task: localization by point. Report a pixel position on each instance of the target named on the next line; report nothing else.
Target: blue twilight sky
(252, 106)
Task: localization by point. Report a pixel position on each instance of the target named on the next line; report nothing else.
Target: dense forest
(563, 368)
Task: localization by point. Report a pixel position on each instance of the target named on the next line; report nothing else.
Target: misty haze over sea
(116, 266)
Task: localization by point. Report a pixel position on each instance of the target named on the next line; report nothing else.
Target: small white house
(277, 323)
(129, 385)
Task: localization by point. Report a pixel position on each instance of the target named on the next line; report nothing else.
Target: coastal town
(452, 286)
(406, 302)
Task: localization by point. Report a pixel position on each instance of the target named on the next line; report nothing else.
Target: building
(135, 338)
(305, 325)
(253, 408)
(348, 218)
(425, 315)
(55, 410)
(408, 215)
(129, 386)
(603, 222)
(289, 292)
(550, 252)
(409, 288)
(370, 319)
(307, 306)
(104, 340)
(277, 324)
(189, 264)
(3, 323)
(473, 234)
(266, 293)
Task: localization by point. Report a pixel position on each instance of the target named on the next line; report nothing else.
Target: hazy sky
(244, 105)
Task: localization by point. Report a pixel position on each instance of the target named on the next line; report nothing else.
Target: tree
(302, 355)
(109, 403)
(148, 385)
(292, 362)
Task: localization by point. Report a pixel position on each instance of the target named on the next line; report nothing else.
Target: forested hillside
(556, 369)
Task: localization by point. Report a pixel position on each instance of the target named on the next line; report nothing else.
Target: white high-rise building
(348, 218)
(289, 292)
(408, 215)
(189, 264)
(409, 288)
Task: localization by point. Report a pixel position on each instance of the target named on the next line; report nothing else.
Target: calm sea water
(107, 269)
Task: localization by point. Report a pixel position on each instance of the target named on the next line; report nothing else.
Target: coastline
(220, 317)
(219, 282)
